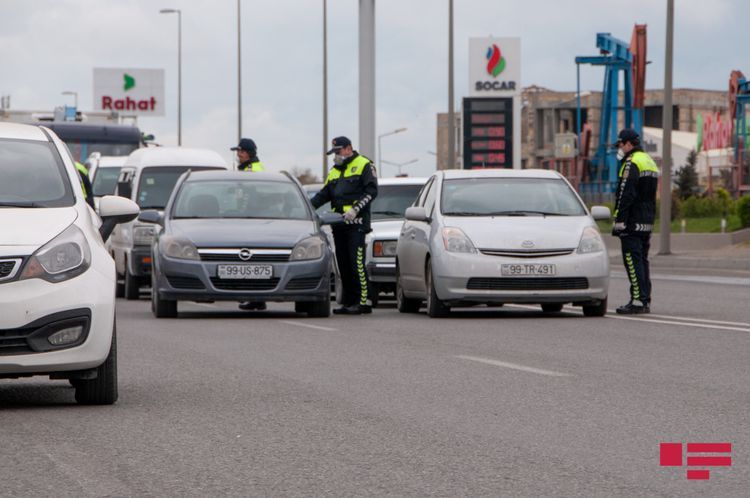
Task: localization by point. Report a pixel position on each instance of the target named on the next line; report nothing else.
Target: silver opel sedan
(501, 236)
(233, 236)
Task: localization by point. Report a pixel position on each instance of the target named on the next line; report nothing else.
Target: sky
(51, 46)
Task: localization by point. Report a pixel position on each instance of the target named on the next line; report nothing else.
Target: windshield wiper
(388, 213)
(22, 204)
(523, 212)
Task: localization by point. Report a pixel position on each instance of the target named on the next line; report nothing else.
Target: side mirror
(330, 218)
(115, 210)
(151, 216)
(416, 213)
(601, 213)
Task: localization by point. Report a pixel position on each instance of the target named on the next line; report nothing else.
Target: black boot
(355, 309)
(632, 309)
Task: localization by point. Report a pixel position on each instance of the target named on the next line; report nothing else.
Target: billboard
(494, 67)
(129, 91)
(488, 132)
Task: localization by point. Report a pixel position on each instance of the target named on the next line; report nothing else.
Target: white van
(148, 178)
(103, 173)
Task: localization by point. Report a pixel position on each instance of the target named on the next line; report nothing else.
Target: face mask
(620, 154)
(338, 160)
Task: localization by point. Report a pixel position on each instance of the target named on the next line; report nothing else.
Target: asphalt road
(490, 402)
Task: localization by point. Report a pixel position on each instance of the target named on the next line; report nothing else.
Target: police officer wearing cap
(88, 190)
(635, 209)
(350, 188)
(247, 155)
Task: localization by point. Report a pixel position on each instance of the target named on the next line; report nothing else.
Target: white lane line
(740, 281)
(686, 324)
(701, 320)
(514, 366)
(316, 327)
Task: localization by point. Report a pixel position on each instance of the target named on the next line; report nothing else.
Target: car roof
(261, 176)
(174, 156)
(313, 187)
(109, 161)
(451, 174)
(22, 132)
(402, 181)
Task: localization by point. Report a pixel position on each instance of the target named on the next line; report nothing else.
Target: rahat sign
(495, 67)
(138, 92)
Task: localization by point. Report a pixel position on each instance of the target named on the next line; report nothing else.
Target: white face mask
(338, 160)
(620, 154)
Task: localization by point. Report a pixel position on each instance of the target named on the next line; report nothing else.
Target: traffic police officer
(247, 154)
(88, 190)
(350, 188)
(635, 209)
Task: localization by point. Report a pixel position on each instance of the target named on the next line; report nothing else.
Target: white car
(104, 172)
(501, 236)
(388, 208)
(57, 282)
(148, 178)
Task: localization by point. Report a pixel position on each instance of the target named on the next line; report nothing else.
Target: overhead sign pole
(367, 78)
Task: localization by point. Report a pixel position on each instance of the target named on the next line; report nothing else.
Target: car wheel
(103, 389)
(435, 307)
(162, 308)
(552, 307)
(374, 294)
(300, 307)
(595, 309)
(403, 303)
(132, 286)
(318, 309)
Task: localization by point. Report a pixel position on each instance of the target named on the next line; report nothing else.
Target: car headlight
(62, 258)
(174, 247)
(455, 240)
(309, 248)
(143, 235)
(384, 248)
(591, 241)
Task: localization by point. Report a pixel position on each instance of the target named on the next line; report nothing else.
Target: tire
(103, 389)
(162, 308)
(403, 303)
(318, 309)
(301, 307)
(132, 286)
(374, 294)
(595, 309)
(119, 287)
(435, 307)
(552, 307)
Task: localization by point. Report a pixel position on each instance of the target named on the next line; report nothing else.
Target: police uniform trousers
(635, 247)
(350, 255)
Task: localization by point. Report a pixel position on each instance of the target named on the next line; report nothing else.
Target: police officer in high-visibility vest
(350, 188)
(88, 190)
(247, 155)
(635, 209)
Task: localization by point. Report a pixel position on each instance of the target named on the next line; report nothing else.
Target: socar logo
(495, 61)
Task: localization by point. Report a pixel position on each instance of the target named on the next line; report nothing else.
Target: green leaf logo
(129, 81)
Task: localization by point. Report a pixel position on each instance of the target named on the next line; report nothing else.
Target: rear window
(105, 180)
(32, 174)
(392, 201)
(156, 184)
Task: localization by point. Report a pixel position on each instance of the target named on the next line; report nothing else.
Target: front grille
(14, 341)
(8, 268)
(244, 285)
(528, 283)
(179, 282)
(527, 253)
(305, 283)
(233, 256)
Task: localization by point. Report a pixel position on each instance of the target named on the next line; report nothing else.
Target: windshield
(82, 149)
(392, 201)
(157, 183)
(32, 175)
(240, 199)
(509, 197)
(105, 180)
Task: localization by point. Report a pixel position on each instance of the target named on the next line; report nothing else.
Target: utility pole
(451, 114)
(325, 89)
(239, 74)
(665, 212)
(367, 77)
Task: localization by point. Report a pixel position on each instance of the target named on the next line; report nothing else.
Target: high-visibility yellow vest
(643, 162)
(354, 168)
(84, 171)
(255, 167)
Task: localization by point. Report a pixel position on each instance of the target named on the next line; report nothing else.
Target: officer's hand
(618, 228)
(350, 215)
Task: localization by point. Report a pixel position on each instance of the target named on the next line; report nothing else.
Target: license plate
(245, 271)
(528, 270)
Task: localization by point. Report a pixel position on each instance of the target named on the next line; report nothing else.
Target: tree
(687, 177)
(305, 176)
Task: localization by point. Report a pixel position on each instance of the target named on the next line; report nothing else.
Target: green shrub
(743, 210)
(700, 207)
(724, 202)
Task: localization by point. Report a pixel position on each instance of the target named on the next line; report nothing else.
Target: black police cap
(246, 144)
(338, 144)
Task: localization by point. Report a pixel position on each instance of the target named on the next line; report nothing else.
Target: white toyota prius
(57, 282)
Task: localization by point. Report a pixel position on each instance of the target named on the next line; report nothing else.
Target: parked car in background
(501, 236)
(103, 173)
(233, 236)
(148, 177)
(388, 208)
(57, 282)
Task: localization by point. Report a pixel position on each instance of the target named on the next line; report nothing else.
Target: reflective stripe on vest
(354, 168)
(644, 163)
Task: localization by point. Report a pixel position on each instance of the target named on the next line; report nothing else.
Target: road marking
(303, 324)
(686, 324)
(743, 282)
(702, 320)
(514, 366)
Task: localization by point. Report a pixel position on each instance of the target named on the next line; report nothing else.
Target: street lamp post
(400, 165)
(451, 113)
(666, 168)
(399, 130)
(179, 69)
(325, 89)
(239, 75)
(75, 97)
